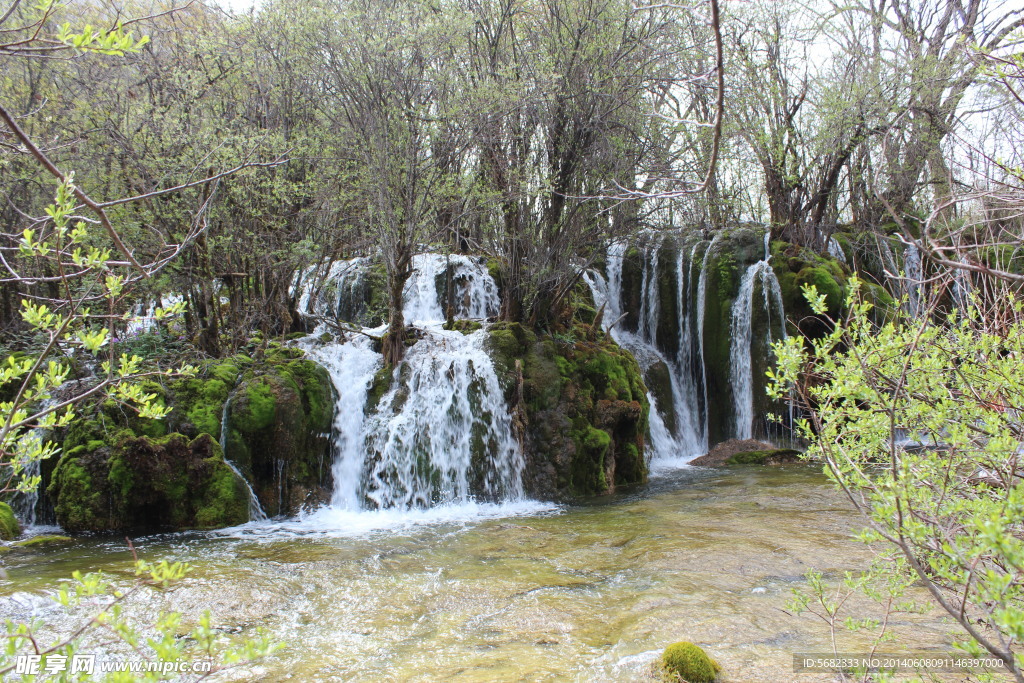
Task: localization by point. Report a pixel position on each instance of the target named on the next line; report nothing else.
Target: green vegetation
(687, 662)
(949, 509)
(584, 404)
(9, 527)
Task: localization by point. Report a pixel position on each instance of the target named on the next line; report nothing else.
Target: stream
(519, 591)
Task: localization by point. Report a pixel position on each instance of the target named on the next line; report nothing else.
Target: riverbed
(524, 591)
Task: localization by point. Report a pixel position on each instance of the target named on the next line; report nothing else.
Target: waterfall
(689, 439)
(835, 250)
(24, 503)
(441, 434)
(351, 366)
(702, 297)
(423, 438)
(475, 292)
(650, 304)
(256, 513)
(691, 347)
(913, 271)
(741, 349)
(962, 287)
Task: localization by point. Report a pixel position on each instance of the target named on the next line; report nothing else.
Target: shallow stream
(517, 592)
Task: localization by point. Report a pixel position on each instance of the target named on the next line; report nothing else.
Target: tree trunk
(394, 340)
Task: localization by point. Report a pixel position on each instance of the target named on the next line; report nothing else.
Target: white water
(913, 271)
(24, 503)
(352, 366)
(475, 294)
(411, 459)
(742, 343)
(665, 449)
(835, 250)
(421, 439)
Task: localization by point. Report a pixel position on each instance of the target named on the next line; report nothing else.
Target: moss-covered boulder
(746, 452)
(688, 662)
(278, 431)
(581, 406)
(146, 483)
(9, 527)
(797, 267)
(279, 407)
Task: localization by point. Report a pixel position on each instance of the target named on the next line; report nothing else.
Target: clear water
(524, 591)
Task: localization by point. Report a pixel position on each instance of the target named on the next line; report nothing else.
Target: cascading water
(742, 344)
(835, 250)
(689, 440)
(428, 439)
(441, 434)
(913, 271)
(702, 297)
(475, 294)
(24, 503)
(256, 513)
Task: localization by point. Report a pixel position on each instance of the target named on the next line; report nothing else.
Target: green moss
(378, 387)
(9, 527)
(826, 283)
(42, 540)
(464, 326)
(260, 405)
(78, 500)
(588, 464)
(687, 662)
(760, 457)
(226, 498)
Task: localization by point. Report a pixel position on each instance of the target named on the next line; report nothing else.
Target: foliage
(917, 420)
(112, 626)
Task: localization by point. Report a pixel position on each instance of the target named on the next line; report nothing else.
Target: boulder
(746, 452)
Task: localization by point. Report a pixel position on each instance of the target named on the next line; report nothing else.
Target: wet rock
(278, 429)
(42, 541)
(746, 452)
(144, 483)
(580, 408)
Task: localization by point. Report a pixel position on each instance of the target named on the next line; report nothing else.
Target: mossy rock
(42, 541)
(278, 431)
(746, 452)
(775, 456)
(9, 527)
(796, 267)
(582, 407)
(464, 326)
(687, 662)
(824, 280)
(166, 483)
(723, 269)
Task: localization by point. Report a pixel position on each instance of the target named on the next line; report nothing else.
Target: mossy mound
(278, 430)
(464, 326)
(688, 662)
(280, 409)
(581, 406)
(9, 527)
(43, 540)
(146, 483)
(796, 267)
